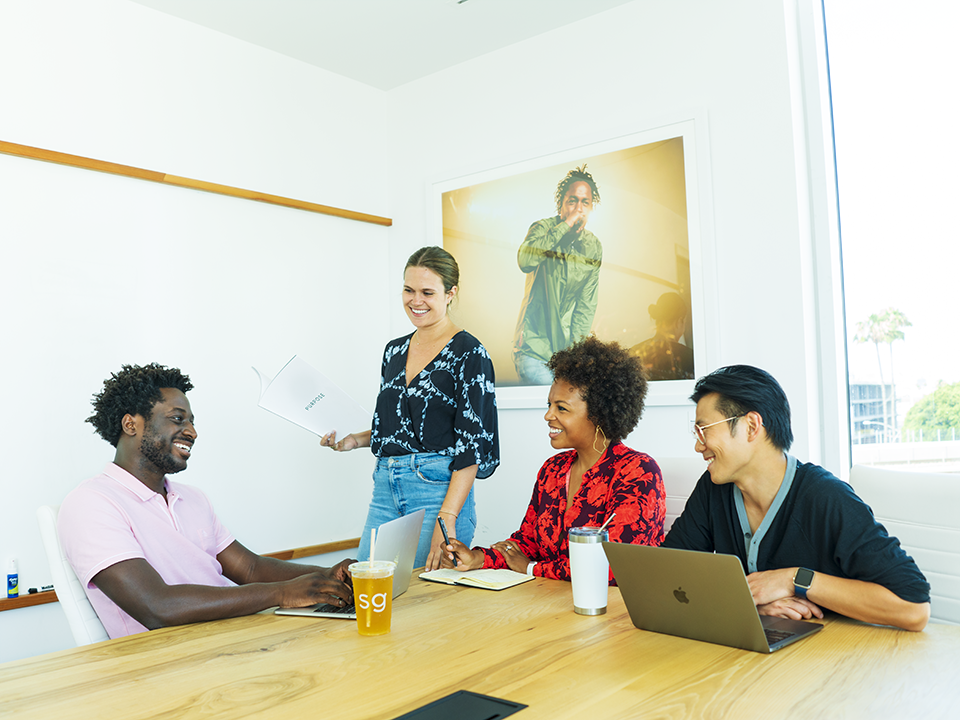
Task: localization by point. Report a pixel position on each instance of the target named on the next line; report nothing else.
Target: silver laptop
(396, 540)
(697, 595)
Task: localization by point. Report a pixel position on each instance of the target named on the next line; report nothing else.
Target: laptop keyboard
(336, 610)
(775, 636)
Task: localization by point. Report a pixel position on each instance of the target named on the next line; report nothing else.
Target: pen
(446, 538)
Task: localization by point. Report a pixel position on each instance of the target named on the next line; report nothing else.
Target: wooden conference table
(523, 644)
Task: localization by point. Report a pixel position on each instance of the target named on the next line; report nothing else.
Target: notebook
(488, 579)
(697, 595)
(396, 540)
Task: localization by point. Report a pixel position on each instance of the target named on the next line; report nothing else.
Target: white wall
(237, 284)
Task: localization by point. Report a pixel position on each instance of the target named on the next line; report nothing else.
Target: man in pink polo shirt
(151, 552)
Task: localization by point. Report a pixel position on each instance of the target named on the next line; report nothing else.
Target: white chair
(922, 510)
(680, 476)
(84, 623)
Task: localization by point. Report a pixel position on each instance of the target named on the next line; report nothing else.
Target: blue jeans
(531, 370)
(406, 483)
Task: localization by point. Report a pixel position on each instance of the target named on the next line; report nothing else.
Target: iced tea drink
(373, 595)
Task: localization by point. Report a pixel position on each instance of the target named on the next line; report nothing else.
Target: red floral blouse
(623, 480)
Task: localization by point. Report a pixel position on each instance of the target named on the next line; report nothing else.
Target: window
(893, 70)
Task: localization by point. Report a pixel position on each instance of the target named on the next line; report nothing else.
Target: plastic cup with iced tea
(373, 595)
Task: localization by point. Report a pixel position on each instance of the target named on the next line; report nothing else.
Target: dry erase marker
(446, 538)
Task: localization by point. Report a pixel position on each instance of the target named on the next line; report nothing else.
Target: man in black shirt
(805, 539)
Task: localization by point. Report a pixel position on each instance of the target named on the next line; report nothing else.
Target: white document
(305, 396)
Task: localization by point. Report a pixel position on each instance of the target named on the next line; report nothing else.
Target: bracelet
(447, 512)
(530, 568)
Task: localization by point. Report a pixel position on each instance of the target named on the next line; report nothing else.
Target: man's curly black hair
(134, 390)
(609, 379)
(579, 174)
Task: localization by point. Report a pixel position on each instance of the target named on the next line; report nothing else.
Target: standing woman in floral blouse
(595, 401)
(435, 425)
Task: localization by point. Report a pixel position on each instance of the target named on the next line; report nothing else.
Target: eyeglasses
(697, 430)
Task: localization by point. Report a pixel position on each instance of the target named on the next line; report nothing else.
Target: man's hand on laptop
(331, 586)
(792, 608)
(773, 592)
(771, 585)
(340, 571)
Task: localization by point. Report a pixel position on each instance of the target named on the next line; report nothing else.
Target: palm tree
(884, 328)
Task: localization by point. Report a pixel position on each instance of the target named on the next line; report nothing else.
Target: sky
(894, 70)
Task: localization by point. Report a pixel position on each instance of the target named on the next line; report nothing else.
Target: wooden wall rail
(28, 600)
(50, 596)
(312, 550)
(79, 161)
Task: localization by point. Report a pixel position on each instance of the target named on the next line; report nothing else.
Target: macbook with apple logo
(697, 595)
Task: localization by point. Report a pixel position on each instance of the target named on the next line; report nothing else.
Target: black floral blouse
(449, 408)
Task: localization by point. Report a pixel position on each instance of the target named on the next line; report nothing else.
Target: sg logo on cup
(378, 602)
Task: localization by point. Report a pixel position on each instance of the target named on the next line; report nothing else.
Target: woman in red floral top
(596, 400)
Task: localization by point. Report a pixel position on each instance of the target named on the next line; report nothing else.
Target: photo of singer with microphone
(561, 259)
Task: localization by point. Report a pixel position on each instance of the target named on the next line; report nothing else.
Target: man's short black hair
(743, 389)
(576, 175)
(134, 390)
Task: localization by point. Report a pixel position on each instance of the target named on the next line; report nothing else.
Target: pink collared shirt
(115, 517)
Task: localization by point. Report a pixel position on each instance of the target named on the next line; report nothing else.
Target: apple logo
(680, 595)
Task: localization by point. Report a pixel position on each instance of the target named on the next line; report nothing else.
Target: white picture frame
(654, 220)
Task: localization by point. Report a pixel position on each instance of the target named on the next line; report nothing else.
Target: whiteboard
(102, 270)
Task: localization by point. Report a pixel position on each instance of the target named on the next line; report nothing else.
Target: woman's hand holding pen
(516, 560)
(458, 556)
(435, 558)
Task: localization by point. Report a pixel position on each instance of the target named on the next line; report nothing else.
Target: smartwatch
(802, 581)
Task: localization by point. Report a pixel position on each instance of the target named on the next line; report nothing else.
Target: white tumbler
(589, 570)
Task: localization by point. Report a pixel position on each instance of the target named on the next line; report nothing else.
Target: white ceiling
(382, 43)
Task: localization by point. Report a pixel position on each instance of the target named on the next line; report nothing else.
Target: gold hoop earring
(599, 431)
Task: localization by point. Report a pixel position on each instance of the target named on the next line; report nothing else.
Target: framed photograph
(601, 238)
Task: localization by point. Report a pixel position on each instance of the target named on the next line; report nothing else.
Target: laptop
(396, 540)
(697, 595)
